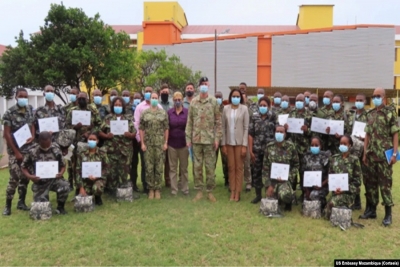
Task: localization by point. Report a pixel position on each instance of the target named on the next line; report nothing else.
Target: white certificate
(91, 169)
(319, 125)
(279, 170)
(339, 181)
(22, 135)
(119, 127)
(81, 116)
(46, 169)
(359, 129)
(295, 125)
(312, 178)
(70, 152)
(282, 119)
(336, 127)
(49, 125)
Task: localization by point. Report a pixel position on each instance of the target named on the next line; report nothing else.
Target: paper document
(295, 125)
(312, 178)
(282, 119)
(22, 135)
(336, 127)
(46, 169)
(359, 129)
(81, 116)
(319, 125)
(119, 127)
(91, 169)
(279, 170)
(49, 125)
(339, 181)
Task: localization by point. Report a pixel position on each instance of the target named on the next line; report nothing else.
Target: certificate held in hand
(22, 135)
(295, 125)
(91, 169)
(339, 181)
(281, 171)
(282, 119)
(49, 125)
(119, 127)
(46, 169)
(359, 129)
(312, 178)
(81, 116)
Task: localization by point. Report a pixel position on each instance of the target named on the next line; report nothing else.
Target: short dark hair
(348, 137)
(192, 84)
(319, 139)
(243, 83)
(362, 94)
(340, 96)
(277, 126)
(241, 96)
(266, 99)
(164, 86)
(113, 104)
(20, 89)
(44, 136)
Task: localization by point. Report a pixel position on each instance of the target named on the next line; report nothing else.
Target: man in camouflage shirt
(277, 102)
(284, 109)
(104, 110)
(381, 134)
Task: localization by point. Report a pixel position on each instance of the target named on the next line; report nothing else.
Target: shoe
(288, 207)
(258, 196)
(60, 208)
(388, 216)
(369, 213)
(151, 194)
(7, 209)
(211, 197)
(157, 194)
(357, 203)
(135, 189)
(232, 198)
(248, 188)
(21, 201)
(98, 201)
(198, 196)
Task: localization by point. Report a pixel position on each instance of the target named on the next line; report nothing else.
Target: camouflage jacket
(154, 124)
(100, 156)
(325, 113)
(95, 122)
(301, 141)
(253, 108)
(119, 143)
(16, 117)
(204, 124)
(286, 154)
(38, 155)
(262, 130)
(317, 113)
(68, 107)
(104, 110)
(319, 162)
(277, 110)
(345, 116)
(351, 166)
(381, 126)
(130, 109)
(47, 112)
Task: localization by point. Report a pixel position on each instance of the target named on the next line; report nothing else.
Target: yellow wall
(315, 16)
(397, 65)
(139, 41)
(165, 11)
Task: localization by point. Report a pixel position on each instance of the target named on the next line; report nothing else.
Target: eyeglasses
(376, 96)
(177, 100)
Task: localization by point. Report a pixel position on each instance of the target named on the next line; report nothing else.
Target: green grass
(176, 231)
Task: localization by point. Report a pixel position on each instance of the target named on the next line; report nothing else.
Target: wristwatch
(394, 154)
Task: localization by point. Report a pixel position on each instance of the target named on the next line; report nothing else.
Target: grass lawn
(176, 231)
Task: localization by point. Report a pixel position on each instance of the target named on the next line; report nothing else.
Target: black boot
(98, 201)
(60, 208)
(7, 209)
(369, 213)
(288, 207)
(388, 216)
(76, 191)
(357, 203)
(258, 196)
(21, 201)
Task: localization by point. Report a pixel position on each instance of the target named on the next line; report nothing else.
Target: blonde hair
(176, 94)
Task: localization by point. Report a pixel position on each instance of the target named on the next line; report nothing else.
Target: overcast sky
(28, 15)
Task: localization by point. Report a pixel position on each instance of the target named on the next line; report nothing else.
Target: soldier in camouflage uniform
(253, 108)
(261, 132)
(46, 151)
(104, 110)
(153, 128)
(14, 119)
(93, 185)
(119, 147)
(284, 108)
(277, 102)
(284, 152)
(126, 96)
(381, 134)
(344, 163)
(166, 104)
(219, 97)
(203, 134)
(307, 95)
(301, 141)
(326, 112)
(137, 99)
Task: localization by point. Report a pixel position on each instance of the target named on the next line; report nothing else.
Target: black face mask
(164, 98)
(189, 93)
(82, 102)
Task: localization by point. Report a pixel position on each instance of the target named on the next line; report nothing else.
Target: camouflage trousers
(204, 155)
(41, 189)
(337, 201)
(256, 170)
(120, 167)
(94, 187)
(247, 169)
(284, 192)
(17, 179)
(154, 161)
(378, 176)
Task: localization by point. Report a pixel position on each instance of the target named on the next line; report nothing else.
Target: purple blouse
(177, 126)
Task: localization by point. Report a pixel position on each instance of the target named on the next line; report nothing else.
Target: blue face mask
(277, 100)
(126, 99)
(136, 102)
(259, 96)
(117, 110)
(315, 150)
(92, 143)
(359, 105)
(284, 104)
(336, 106)
(147, 96)
(49, 96)
(219, 101)
(263, 110)
(326, 101)
(343, 148)
(97, 100)
(154, 102)
(279, 137)
(112, 98)
(203, 89)
(377, 101)
(235, 100)
(307, 100)
(299, 104)
(22, 102)
(72, 98)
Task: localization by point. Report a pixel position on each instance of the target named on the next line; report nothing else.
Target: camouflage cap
(65, 137)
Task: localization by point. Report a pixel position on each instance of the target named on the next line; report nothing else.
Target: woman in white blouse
(235, 124)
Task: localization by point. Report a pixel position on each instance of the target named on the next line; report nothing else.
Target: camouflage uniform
(262, 131)
(223, 157)
(325, 113)
(381, 126)
(285, 154)
(119, 150)
(167, 106)
(154, 124)
(202, 130)
(71, 173)
(41, 188)
(129, 109)
(277, 110)
(281, 111)
(47, 112)
(351, 166)
(93, 187)
(333, 141)
(15, 118)
(104, 110)
(247, 161)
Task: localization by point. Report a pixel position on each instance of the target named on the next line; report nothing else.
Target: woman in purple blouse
(177, 149)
